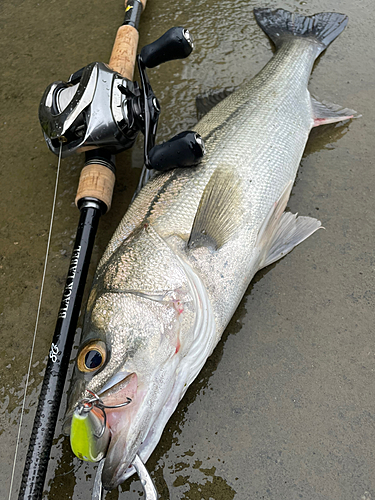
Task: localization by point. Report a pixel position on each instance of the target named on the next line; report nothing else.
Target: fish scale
(186, 250)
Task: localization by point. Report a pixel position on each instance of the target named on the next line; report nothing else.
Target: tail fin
(280, 25)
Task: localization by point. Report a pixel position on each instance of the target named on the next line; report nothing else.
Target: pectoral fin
(282, 231)
(219, 212)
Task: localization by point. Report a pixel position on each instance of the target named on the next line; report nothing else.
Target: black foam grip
(183, 150)
(171, 45)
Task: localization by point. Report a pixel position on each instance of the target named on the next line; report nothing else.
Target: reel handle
(183, 150)
(176, 43)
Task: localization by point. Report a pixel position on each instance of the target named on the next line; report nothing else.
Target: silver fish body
(186, 250)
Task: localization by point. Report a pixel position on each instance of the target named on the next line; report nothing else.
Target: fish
(186, 250)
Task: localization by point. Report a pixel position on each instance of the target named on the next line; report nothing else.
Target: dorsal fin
(219, 211)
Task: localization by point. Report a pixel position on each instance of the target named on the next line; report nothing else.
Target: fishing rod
(99, 111)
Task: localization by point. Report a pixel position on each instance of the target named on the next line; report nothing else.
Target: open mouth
(120, 401)
(97, 418)
(134, 428)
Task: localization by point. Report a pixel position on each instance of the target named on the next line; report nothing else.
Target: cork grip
(125, 49)
(96, 181)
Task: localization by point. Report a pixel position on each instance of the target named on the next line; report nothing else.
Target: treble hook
(87, 404)
(147, 483)
(99, 403)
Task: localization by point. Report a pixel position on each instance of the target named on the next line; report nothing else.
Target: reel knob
(183, 150)
(176, 43)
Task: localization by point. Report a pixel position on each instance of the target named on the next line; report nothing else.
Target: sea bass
(186, 250)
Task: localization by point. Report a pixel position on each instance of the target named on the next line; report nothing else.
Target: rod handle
(125, 46)
(124, 51)
(96, 181)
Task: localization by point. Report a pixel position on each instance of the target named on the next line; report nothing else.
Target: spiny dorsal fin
(205, 102)
(219, 211)
(327, 112)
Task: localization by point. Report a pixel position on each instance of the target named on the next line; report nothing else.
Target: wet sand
(284, 408)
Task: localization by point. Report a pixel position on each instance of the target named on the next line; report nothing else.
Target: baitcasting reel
(99, 108)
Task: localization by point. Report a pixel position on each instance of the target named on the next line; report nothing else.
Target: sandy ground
(284, 409)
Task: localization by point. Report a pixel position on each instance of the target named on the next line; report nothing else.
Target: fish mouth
(134, 428)
(116, 408)
(129, 426)
(120, 401)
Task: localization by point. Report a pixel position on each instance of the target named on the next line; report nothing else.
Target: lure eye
(92, 356)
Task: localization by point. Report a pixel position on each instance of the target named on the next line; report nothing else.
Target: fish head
(128, 358)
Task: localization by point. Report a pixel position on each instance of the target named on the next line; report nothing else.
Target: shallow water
(284, 408)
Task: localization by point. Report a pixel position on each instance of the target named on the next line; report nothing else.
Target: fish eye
(92, 356)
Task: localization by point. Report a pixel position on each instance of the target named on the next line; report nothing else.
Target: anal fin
(219, 211)
(282, 231)
(325, 113)
(291, 231)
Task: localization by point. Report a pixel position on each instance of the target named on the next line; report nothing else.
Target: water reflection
(210, 486)
(324, 137)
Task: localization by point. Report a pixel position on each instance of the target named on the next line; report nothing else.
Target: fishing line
(36, 322)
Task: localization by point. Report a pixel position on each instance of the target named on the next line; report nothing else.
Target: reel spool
(99, 108)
